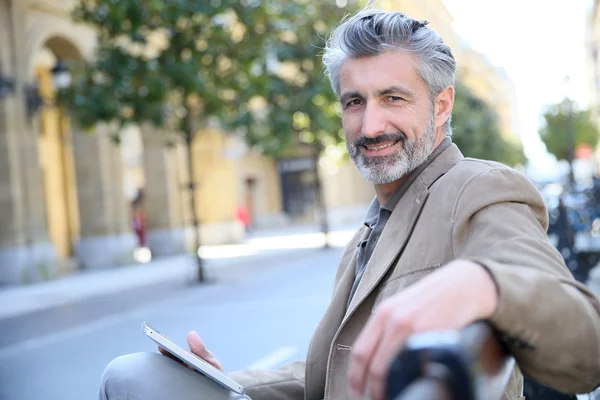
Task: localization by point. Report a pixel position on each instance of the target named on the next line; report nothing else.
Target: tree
(299, 108)
(253, 65)
(173, 64)
(559, 121)
(300, 104)
(476, 132)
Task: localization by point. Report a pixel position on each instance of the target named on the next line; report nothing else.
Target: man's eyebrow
(397, 89)
(350, 95)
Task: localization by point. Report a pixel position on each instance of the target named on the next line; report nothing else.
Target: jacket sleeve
(288, 382)
(550, 322)
(285, 383)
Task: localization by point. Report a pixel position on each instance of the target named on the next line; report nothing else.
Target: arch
(48, 37)
(63, 48)
(61, 36)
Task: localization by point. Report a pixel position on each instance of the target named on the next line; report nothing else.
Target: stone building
(65, 194)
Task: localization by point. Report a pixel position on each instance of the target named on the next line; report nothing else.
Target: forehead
(371, 74)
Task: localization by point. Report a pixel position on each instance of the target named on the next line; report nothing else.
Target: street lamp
(61, 76)
(7, 86)
(568, 103)
(61, 79)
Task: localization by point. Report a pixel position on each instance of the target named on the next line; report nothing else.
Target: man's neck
(385, 190)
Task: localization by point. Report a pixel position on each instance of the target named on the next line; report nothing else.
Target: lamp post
(7, 86)
(320, 197)
(570, 133)
(61, 76)
(61, 79)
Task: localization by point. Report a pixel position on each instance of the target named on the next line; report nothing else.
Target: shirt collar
(372, 213)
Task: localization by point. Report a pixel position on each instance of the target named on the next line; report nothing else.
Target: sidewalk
(261, 250)
(221, 263)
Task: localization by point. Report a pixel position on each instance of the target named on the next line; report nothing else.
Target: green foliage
(175, 64)
(476, 132)
(558, 120)
(253, 65)
(302, 106)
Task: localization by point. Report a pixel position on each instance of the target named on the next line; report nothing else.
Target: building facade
(491, 84)
(66, 195)
(592, 45)
(593, 58)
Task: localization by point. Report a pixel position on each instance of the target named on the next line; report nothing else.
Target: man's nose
(373, 123)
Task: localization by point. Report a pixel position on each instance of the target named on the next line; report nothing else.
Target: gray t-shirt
(378, 216)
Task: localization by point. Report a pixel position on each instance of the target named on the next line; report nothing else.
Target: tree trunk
(322, 206)
(189, 135)
(571, 141)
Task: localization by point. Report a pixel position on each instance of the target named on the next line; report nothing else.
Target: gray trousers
(152, 376)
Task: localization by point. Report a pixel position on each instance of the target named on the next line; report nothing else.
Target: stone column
(25, 252)
(162, 194)
(105, 239)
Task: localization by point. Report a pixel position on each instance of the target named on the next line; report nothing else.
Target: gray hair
(372, 32)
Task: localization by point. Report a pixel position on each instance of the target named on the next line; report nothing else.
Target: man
(447, 241)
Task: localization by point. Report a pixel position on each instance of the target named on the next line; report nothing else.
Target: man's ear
(443, 106)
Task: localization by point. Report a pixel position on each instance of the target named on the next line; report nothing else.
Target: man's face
(388, 118)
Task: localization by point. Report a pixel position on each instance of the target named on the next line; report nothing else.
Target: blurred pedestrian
(242, 216)
(447, 241)
(596, 190)
(139, 220)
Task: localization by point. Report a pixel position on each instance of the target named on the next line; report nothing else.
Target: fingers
(395, 334)
(166, 353)
(172, 357)
(375, 349)
(197, 345)
(362, 352)
(198, 348)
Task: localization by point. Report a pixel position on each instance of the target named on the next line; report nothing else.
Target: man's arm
(285, 383)
(288, 382)
(551, 322)
(505, 271)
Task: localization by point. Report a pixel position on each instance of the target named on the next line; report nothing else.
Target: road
(255, 319)
(262, 319)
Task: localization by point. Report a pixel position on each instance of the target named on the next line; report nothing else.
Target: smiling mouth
(380, 146)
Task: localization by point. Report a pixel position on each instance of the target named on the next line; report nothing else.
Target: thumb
(197, 345)
(198, 348)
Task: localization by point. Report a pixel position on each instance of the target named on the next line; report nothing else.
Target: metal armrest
(471, 364)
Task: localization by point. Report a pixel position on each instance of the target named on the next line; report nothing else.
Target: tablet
(194, 361)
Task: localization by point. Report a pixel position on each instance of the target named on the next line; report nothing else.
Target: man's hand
(451, 298)
(198, 348)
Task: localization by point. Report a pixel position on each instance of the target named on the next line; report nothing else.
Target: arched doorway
(56, 153)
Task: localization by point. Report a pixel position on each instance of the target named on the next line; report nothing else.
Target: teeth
(380, 147)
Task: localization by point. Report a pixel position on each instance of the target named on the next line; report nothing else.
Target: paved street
(261, 314)
(261, 319)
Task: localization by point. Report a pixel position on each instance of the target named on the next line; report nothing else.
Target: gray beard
(389, 168)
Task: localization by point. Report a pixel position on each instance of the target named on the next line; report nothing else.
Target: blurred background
(182, 162)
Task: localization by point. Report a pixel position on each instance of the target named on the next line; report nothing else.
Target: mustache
(386, 137)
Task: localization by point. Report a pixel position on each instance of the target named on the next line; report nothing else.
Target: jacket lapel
(392, 240)
(322, 339)
(400, 226)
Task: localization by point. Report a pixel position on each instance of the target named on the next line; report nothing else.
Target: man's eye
(395, 98)
(353, 102)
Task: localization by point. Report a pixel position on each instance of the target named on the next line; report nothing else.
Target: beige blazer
(459, 208)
